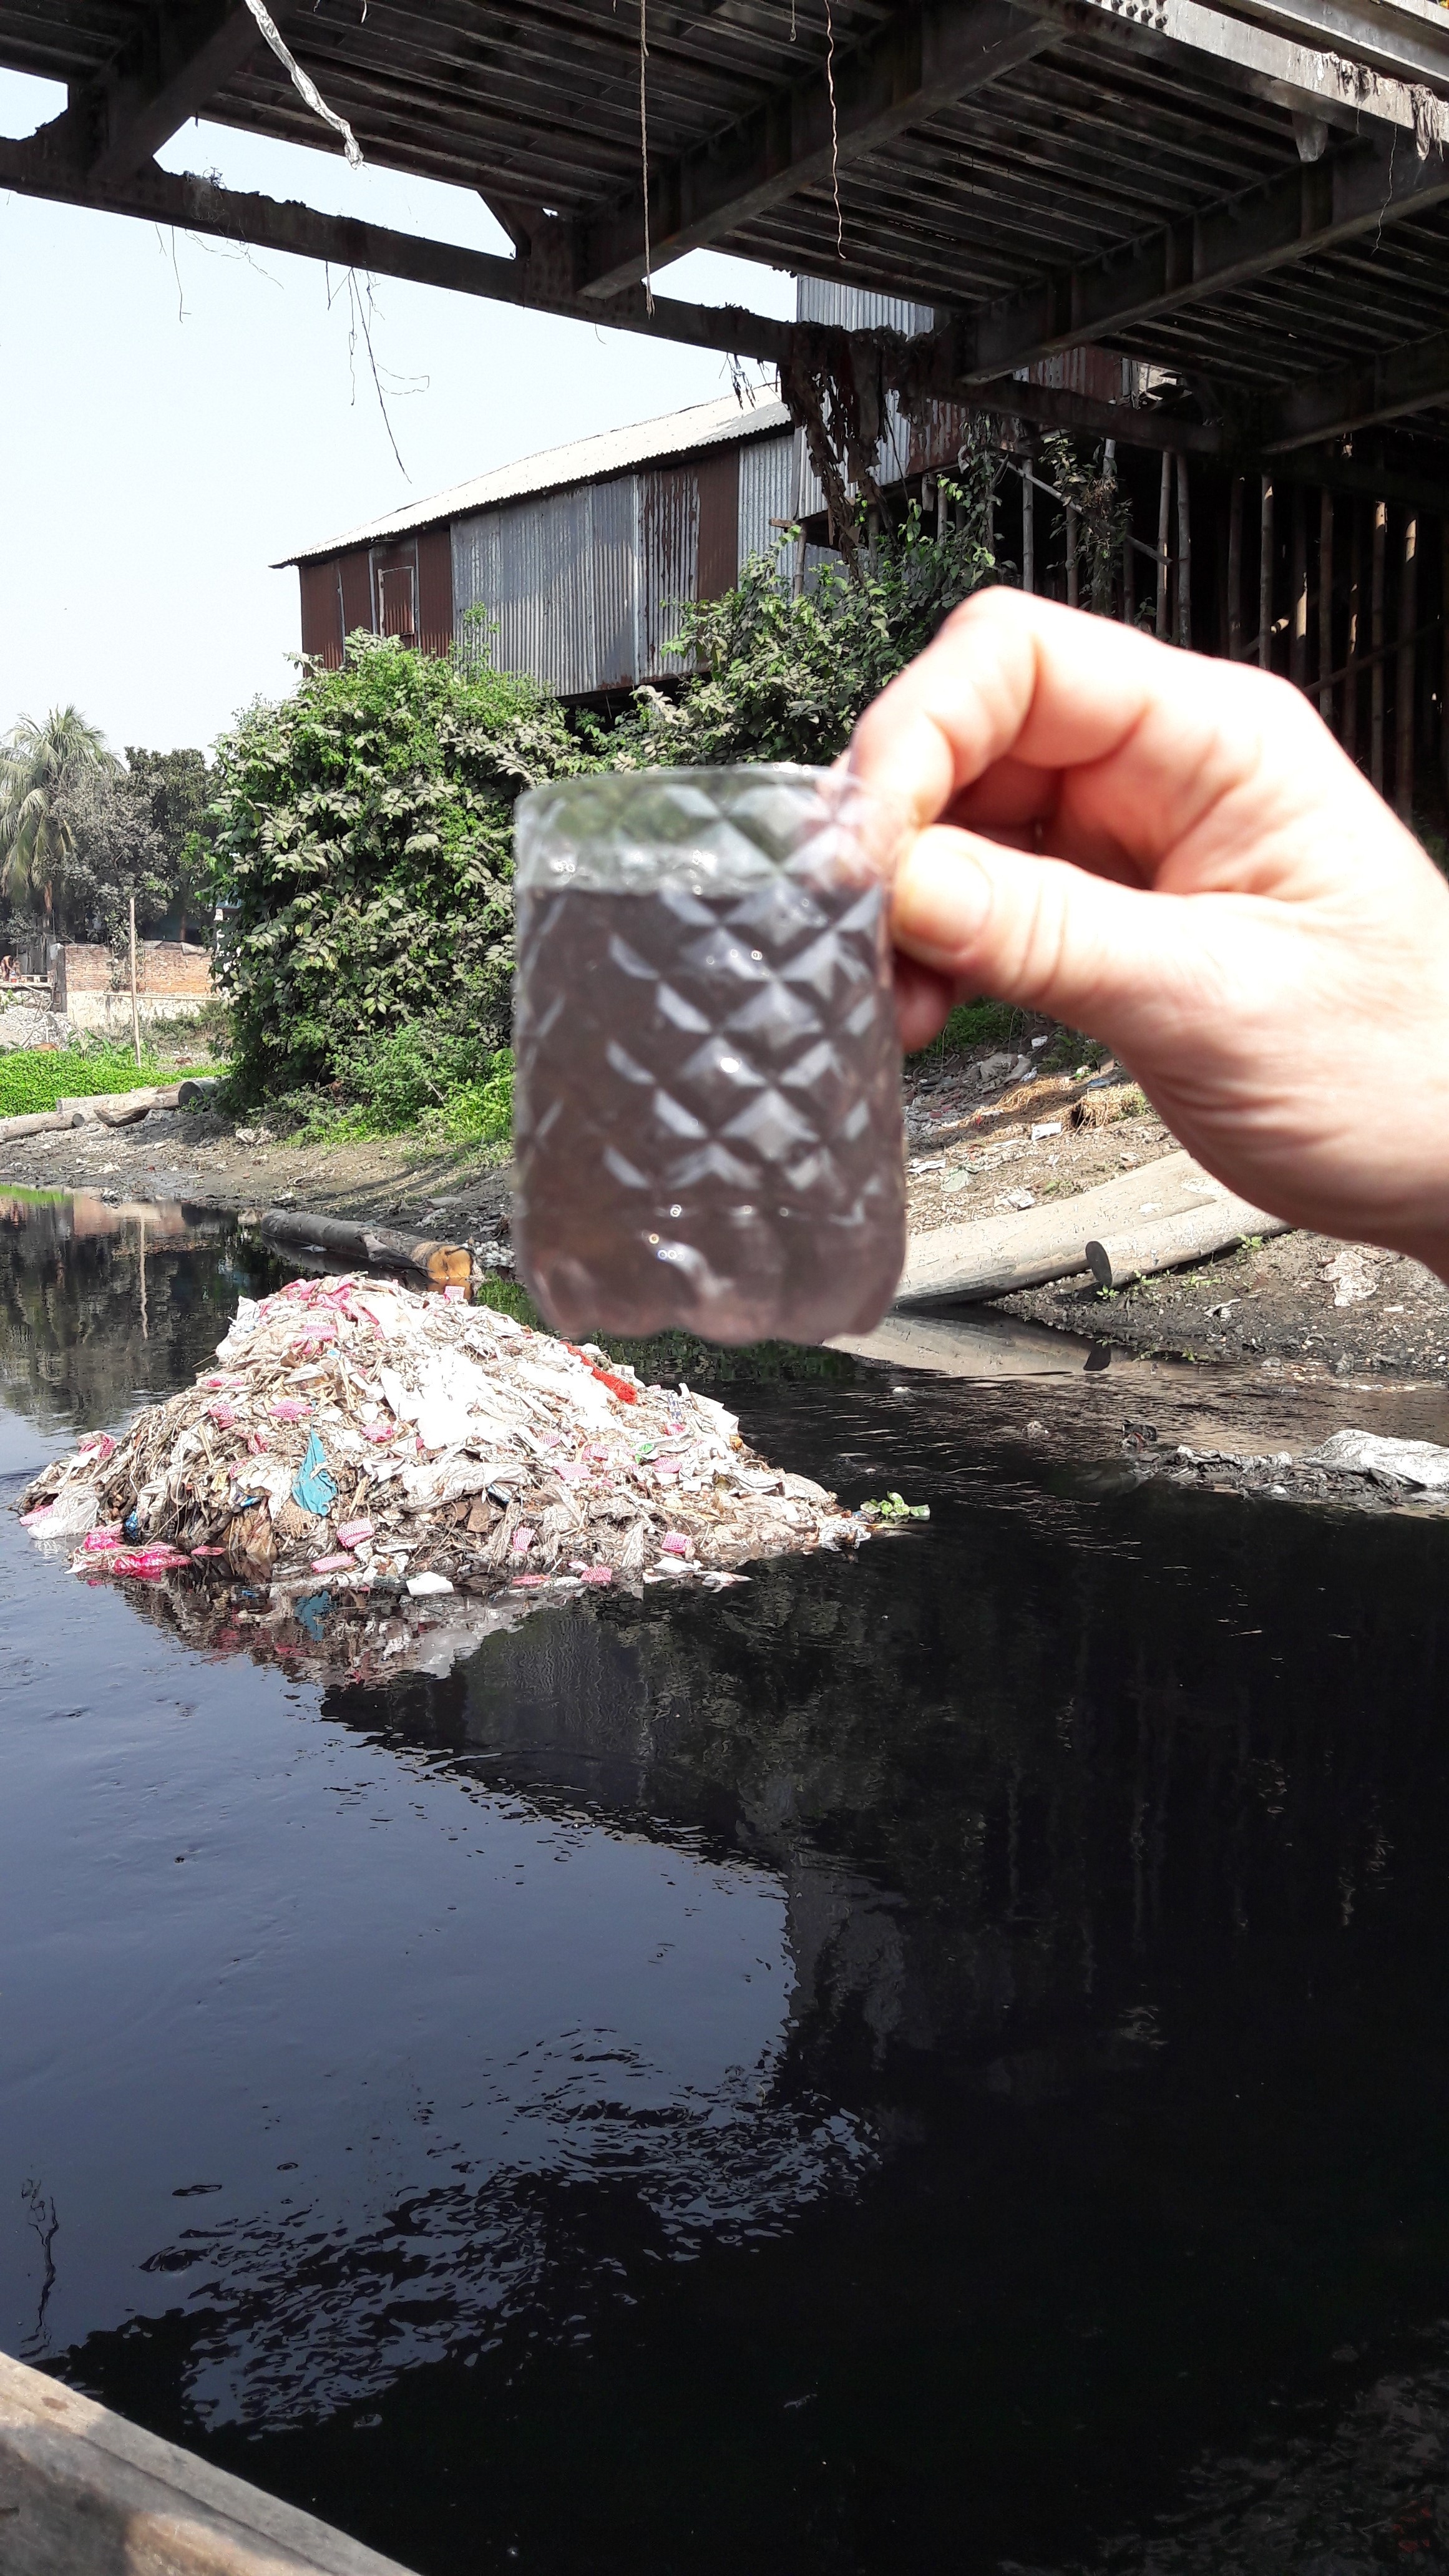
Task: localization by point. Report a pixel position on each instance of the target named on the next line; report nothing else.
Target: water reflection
(934, 2061)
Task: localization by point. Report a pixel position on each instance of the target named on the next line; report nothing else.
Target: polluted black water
(938, 2060)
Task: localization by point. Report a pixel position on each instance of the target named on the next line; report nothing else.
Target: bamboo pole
(1184, 556)
(1298, 618)
(135, 1013)
(1406, 673)
(1355, 591)
(1028, 531)
(1265, 576)
(1376, 640)
(1235, 570)
(1164, 508)
(1074, 583)
(1325, 605)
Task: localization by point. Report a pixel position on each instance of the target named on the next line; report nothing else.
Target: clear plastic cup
(707, 1087)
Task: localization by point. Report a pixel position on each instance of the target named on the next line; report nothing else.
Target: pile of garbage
(379, 1444)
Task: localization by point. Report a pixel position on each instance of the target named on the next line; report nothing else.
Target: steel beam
(1385, 388)
(1311, 209)
(922, 60)
(178, 61)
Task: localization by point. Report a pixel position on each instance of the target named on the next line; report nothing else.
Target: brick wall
(164, 967)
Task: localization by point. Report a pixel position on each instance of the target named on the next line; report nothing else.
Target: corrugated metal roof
(585, 460)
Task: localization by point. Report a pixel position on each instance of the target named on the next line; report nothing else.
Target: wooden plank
(978, 1346)
(1025, 1249)
(83, 2493)
(921, 60)
(1308, 210)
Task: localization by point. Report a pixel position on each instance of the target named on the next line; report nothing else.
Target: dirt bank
(972, 1151)
(209, 1161)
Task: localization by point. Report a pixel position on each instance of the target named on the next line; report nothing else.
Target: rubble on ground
(373, 1446)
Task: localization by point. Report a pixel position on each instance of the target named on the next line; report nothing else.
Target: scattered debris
(1353, 1467)
(1353, 1273)
(382, 1445)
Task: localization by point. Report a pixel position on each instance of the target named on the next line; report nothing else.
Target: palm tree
(37, 762)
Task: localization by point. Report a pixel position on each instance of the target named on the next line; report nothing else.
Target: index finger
(1011, 676)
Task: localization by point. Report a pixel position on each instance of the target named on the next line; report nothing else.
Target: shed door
(397, 601)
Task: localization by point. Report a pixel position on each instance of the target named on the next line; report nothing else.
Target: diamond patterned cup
(707, 1087)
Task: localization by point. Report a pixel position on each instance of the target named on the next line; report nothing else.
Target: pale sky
(178, 414)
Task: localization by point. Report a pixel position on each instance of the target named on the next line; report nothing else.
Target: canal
(937, 2060)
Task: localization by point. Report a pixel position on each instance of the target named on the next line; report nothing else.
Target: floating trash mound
(369, 1443)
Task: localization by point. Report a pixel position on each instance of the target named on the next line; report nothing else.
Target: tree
(179, 786)
(38, 762)
(115, 853)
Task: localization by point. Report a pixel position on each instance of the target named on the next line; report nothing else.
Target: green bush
(784, 676)
(362, 835)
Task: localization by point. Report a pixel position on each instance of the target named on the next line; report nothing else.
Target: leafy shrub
(362, 835)
(785, 676)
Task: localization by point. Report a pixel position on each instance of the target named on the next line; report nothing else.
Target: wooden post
(1405, 677)
(1325, 605)
(1184, 556)
(1265, 577)
(1028, 528)
(1444, 634)
(1164, 508)
(135, 1013)
(1298, 619)
(1235, 570)
(1376, 644)
(1074, 585)
(1355, 594)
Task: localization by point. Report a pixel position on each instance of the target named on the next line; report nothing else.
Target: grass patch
(34, 1079)
(974, 1024)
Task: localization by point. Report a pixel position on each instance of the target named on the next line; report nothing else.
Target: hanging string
(305, 88)
(834, 128)
(644, 147)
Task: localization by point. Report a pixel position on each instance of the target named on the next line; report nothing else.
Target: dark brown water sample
(708, 1111)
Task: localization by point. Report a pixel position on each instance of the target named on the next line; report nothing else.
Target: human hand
(1174, 853)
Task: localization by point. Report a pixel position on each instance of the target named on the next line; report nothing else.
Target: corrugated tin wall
(584, 588)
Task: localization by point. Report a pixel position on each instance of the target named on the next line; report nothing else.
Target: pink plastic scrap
(100, 1445)
(354, 1533)
(597, 1573)
(675, 1543)
(38, 1518)
(146, 1560)
(332, 1564)
(522, 1541)
(527, 1582)
(376, 1431)
(289, 1408)
(97, 1541)
(222, 1414)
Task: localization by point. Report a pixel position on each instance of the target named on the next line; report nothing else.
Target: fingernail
(941, 900)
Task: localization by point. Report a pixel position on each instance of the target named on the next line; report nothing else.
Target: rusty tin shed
(571, 564)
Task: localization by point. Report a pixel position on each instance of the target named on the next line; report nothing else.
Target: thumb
(1042, 933)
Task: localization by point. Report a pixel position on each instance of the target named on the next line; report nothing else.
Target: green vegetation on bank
(33, 1080)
